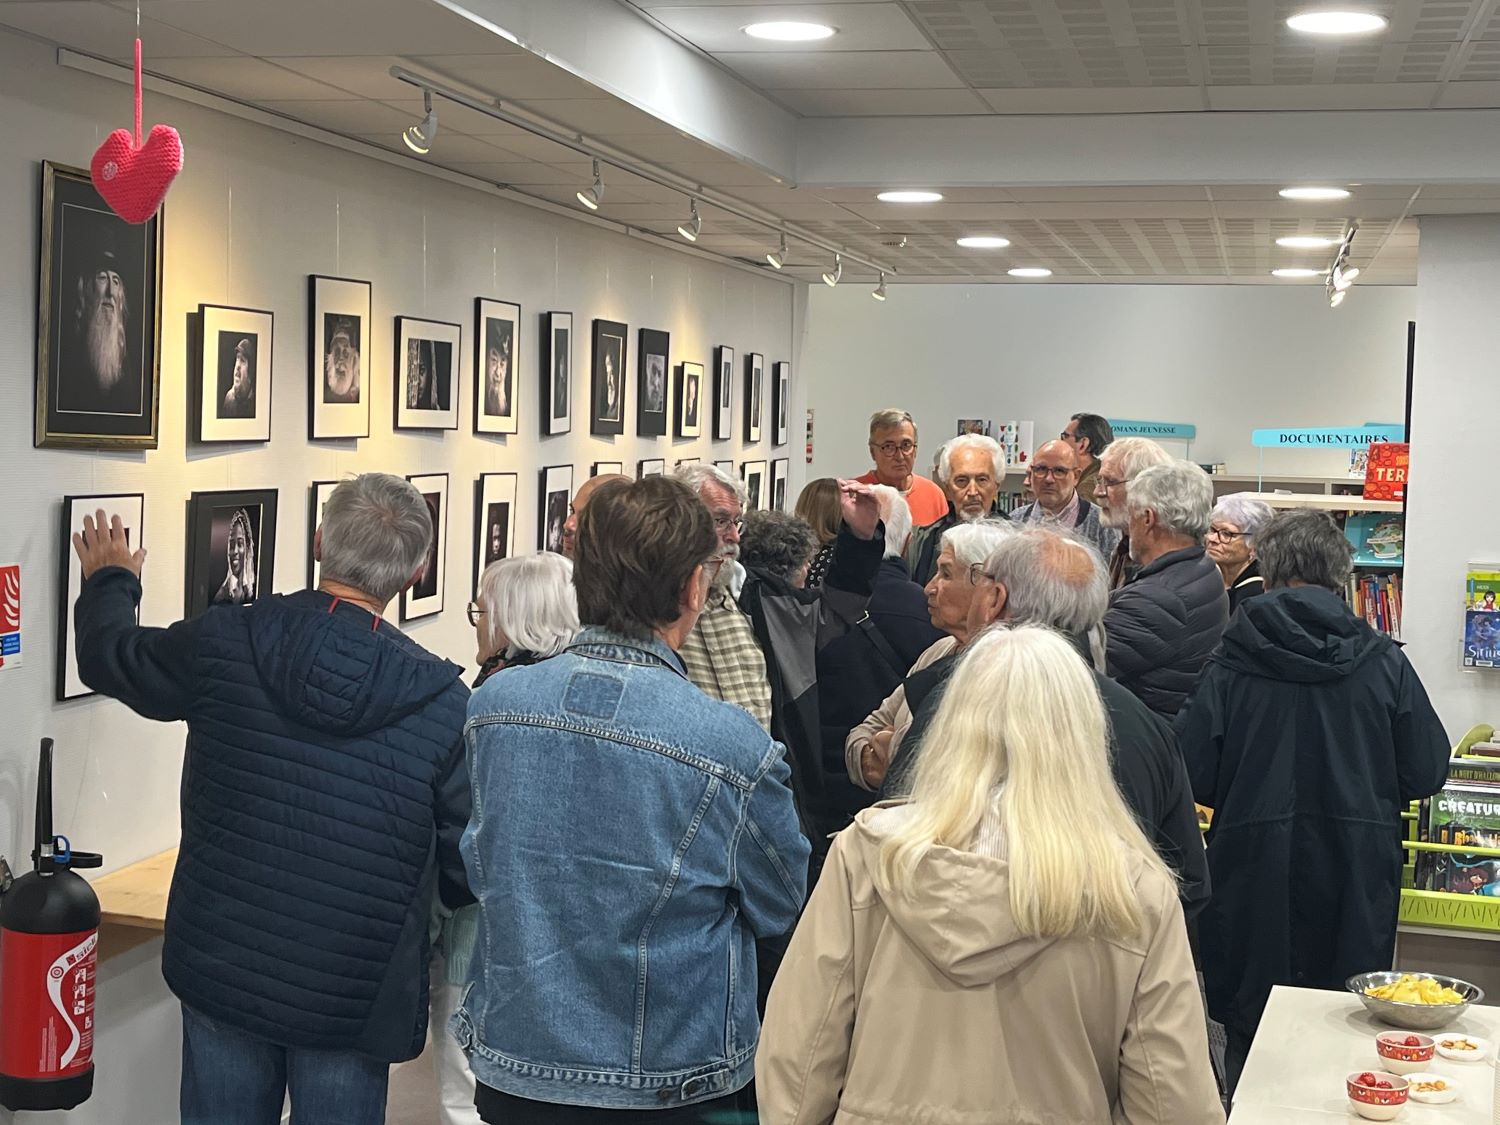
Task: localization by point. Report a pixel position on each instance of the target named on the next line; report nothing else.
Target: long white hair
(1021, 734)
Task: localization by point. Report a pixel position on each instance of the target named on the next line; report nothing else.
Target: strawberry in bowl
(1377, 1095)
(1405, 1052)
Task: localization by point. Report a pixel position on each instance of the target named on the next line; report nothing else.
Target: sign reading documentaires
(1325, 437)
(1176, 431)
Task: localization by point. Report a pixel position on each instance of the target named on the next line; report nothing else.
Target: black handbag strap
(882, 646)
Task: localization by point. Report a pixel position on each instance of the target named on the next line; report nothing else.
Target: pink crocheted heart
(134, 181)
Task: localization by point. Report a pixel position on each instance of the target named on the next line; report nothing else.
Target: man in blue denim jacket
(630, 840)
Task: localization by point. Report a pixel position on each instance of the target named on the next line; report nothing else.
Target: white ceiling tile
(368, 76)
(520, 75)
(881, 103)
(857, 27)
(355, 118)
(845, 70)
(596, 116)
(247, 79)
(98, 29)
(721, 174)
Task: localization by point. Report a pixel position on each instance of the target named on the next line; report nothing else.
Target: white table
(1309, 1041)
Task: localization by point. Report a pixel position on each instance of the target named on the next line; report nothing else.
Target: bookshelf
(1325, 503)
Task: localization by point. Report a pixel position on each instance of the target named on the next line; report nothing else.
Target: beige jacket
(892, 714)
(937, 1011)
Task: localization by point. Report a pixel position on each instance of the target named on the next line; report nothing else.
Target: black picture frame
(425, 386)
(552, 510)
(230, 391)
(497, 345)
(339, 370)
(425, 597)
(131, 508)
(780, 473)
(723, 393)
(212, 520)
(781, 402)
(687, 413)
(84, 401)
(318, 495)
(494, 510)
(755, 373)
(757, 489)
(607, 385)
(650, 467)
(557, 373)
(725, 467)
(653, 382)
(603, 468)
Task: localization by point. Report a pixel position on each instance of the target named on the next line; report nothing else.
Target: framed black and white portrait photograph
(755, 369)
(557, 494)
(651, 467)
(338, 335)
(754, 475)
(317, 500)
(497, 344)
(607, 412)
(689, 413)
(231, 548)
(781, 398)
(131, 508)
(653, 387)
(98, 351)
(557, 373)
(232, 391)
(723, 393)
(494, 521)
(425, 597)
(780, 470)
(426, 374)
(607, 468)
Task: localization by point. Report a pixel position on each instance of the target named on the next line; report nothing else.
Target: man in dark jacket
(1046, 577)
(324, 791)
(1162, 625)
(1307, 735)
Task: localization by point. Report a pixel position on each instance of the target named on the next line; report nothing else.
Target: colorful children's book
(1379, 538)
(1385, 475)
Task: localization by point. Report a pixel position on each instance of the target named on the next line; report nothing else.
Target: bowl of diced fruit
(1418, 1001)
(1404, 1051)
(1377, 1095)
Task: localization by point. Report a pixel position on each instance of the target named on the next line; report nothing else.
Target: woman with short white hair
(1232, 527)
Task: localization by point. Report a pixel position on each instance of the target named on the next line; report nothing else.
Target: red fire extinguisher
(49, 936)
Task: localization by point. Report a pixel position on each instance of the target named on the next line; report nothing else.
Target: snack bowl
(1442, 1096)
(1374, 1102)
(1418, 1017)
(1477, 1049)
(1402, 1052)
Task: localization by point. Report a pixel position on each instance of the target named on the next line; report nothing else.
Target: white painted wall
(254, 212)
(1225, 358)
(1449, 522)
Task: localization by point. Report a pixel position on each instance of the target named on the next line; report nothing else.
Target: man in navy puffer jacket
(324, 791)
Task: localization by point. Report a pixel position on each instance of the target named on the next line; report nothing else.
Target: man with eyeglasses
(1087, 435)
(1127, 459)
(893, 445)
(970, 468)
(1054, 479)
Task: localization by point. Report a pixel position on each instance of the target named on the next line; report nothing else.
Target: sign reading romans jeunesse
(1325, 437)
(1177, 431)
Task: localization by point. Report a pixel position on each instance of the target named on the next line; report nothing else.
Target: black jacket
(324, 791)
(1162, 626)
(1144, 757)
(1248, 585)
(1308, 734)
(854, 676)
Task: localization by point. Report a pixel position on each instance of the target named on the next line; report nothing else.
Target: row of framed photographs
(231, 555)
(99, 347)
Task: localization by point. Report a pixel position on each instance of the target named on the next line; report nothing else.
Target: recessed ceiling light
(1029, 271)
(983, 242)
(910, 196)
(1337, 23)
(1306, 242)
(1314, 193)
(789, 31)
(1296, 271)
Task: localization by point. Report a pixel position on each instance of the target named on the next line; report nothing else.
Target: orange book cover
(1385, 477)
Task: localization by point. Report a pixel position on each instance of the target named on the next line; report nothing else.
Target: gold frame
(42, 438)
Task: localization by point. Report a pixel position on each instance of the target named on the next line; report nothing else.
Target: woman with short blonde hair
(1006, 946)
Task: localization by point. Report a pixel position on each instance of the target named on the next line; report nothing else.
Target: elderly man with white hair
(1163, 625)
(1233, 527)
(1122, 462)
(970, 468)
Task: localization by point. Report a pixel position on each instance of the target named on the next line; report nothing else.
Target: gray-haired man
(324, 792)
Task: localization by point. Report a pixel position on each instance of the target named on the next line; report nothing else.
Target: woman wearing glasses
(1232, 528)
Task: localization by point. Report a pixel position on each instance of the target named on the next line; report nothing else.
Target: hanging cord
(138, 74)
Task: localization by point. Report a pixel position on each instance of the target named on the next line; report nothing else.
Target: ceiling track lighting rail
(559, 135)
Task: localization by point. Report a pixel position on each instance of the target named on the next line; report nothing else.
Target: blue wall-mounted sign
(1173, 431)
(1325, 437)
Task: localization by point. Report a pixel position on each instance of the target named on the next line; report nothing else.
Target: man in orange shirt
(893, 445)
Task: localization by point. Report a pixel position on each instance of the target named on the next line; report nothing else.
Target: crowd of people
(882, 811)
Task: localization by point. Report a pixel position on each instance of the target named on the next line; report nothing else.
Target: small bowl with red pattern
(1377, 1095)
(1405, 1052)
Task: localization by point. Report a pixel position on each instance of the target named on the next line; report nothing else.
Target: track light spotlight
(592, 197)
(691, 229)
(1337, 298)
(777, 257)
(419, 137)
(831, 277)
(879, 291)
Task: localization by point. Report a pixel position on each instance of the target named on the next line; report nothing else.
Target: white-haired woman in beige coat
(1005, 947)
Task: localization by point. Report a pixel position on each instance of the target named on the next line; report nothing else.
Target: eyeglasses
(1111, 482)
(724, 523)
(1056, 471)
(976, 572)
(891, 448)
(475, 613)
(1226, 535)
(1067, 436)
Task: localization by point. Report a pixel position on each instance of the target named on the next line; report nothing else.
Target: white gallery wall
(1227, 359)
(255, 211)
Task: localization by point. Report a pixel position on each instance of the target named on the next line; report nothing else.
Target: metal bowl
(1416, 1017)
